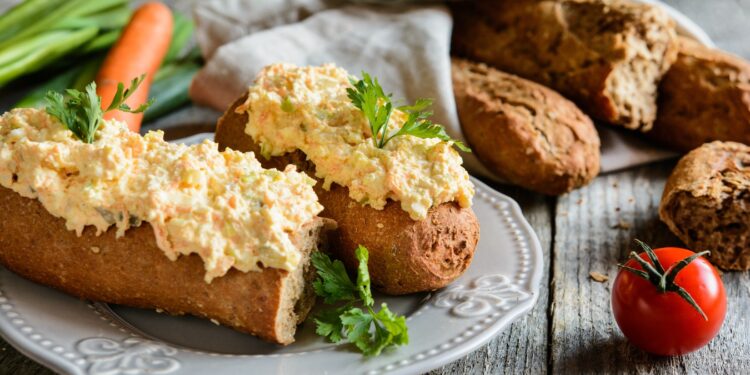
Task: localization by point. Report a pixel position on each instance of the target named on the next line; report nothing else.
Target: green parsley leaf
(371, 332)
(328, 324)
(80, 111)
(357, 327)
(333, 283)
(363, 276)
(394, 324)
(367, 95)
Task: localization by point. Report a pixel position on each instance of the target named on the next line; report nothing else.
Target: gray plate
(78, 337)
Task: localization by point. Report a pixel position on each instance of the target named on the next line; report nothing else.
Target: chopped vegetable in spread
(220, 205)
(308, 108)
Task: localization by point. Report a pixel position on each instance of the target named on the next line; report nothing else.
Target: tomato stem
(663, 280)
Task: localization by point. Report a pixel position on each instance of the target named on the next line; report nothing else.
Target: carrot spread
(220, 205)
(307, 108)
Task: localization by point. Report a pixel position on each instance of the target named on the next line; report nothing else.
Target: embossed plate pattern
(77, 337)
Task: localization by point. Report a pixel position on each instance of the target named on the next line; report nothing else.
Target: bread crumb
(615, 184)
(214, 321)
(631, 200)
(579, 201)
(563, 213)
(621, 225)
(95, 249)
(379, 225)
(617, 209)
(159, 310)
(598, 276)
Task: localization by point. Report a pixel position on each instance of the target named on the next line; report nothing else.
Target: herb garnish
(81, 111)
(367, 95)
(348, 320)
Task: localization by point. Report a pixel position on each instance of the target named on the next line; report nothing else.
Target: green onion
(182, 31)
(22, 15)
(170, 89)
(62, 42)
(63, 12)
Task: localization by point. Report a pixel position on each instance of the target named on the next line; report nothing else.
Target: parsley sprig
(367, 95)
(81, 111)
(348, 320)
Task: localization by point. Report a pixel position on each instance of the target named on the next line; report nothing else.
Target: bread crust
(606, 56)
(524, 132)
(406, 256)
(706, 203)
(704, 97)
(133, 271)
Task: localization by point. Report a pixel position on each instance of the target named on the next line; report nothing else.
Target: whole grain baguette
(406, 256)
(706, 203)
(523, 131)
(607, 56)
(704, 97)
(134, 271)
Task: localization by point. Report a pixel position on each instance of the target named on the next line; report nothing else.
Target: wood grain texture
(522, 347)
(595, 227)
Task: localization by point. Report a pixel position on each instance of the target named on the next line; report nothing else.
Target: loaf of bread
(406, 256)
(524, 132)
(132, 270)
(607, 56)
(704, 97)
(706, 203)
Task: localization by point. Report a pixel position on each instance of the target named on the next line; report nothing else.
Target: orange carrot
(140, 50)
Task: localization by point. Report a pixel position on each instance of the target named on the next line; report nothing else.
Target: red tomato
(664, 323)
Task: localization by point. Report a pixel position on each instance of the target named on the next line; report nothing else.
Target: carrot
(139, 50)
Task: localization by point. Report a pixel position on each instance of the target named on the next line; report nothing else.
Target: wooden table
(571, 330)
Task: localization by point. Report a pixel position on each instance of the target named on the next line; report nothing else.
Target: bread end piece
(704, 97)
(525, 132)
(706, 203)
(133, 271)
(406, 256)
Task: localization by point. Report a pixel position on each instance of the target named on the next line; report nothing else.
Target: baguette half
(406, 256)
(133, 270)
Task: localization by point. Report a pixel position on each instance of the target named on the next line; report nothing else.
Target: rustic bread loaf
(406, 256)
(523, 131)
(706, 202)
(607, 56)
(704, 97)
(132, 270)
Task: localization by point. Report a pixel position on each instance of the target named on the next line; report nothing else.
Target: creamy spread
(307, 108)
(220, 205)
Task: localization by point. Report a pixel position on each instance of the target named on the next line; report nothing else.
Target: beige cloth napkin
(406, 47)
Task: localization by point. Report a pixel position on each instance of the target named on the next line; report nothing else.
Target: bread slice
(706, 203)
(133, 270)
(406, 256)
(607, 56)
(523, 131)
(704, 97)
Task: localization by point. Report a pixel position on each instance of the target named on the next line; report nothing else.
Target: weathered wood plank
(594, 230)
(13, 362)
(522, 348)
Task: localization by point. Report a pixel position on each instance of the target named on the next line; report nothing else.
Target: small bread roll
(706, 203)
(523, 131)
(704, 97)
